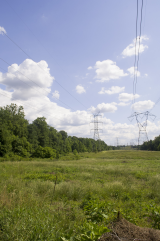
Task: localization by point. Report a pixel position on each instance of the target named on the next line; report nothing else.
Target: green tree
(21, 147)
(6, 139)
(12, 117)
(42, 129)
(44, 152)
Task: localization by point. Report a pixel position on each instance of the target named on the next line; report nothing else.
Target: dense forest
(151, 145)
(38, 139)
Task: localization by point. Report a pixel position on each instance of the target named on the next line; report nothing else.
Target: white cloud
(104, 107)
(77, 123)
(123, 104)
(40, 106)
(131, 71)
(146, 75)
(2, 30)
(80, 89)
(87, 74)
(112, 90)
(107, 70)
(90, 67)
(28, 79)
(56, 94)
(74, 123)
(125, 97)
(143, 105)
(130, 49)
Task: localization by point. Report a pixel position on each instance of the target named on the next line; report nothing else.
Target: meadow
(77, 198)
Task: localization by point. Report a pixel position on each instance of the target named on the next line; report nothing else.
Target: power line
(29, 106)
(136, 60)
(34, 109)
(28, 84)
(33, 82)
(141, 119)
(42, 68)
(135, 53)
(45, 50)
(27, 26)
(156, 103)
(139, 43)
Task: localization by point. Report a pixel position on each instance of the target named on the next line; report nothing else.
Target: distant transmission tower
(96, 129)
(142, 124)
(117, 142)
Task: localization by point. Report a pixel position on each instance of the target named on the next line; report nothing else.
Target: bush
(44, 152)
(75, 152)
(21, 147)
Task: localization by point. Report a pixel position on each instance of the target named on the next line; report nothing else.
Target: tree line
(38, 139)
(152, 145)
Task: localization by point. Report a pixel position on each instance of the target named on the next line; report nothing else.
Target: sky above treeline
(67, 60)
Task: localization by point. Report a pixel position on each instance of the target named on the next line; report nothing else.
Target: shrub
(44, 152)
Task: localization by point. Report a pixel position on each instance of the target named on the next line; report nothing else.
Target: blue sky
(88, 48)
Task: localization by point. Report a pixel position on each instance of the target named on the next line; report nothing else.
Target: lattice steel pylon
(142, 125)
(96, 128)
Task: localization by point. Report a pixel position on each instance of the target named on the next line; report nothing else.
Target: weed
(88, 195)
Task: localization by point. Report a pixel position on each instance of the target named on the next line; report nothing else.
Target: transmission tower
(142, 119)
(117, 142)
(96, 129)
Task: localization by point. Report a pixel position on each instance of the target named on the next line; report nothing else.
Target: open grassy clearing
(88, 194)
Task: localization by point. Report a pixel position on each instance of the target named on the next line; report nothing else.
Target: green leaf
(105, 216)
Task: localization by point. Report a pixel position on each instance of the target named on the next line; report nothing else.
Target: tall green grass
(86, 197)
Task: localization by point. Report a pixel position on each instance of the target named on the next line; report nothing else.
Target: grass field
(77, 199)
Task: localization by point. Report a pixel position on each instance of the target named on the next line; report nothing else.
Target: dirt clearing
(123, 230)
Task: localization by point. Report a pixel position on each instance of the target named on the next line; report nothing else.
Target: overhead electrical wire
(42, 68)
(46, 51)
(27, 26)
(135, 55)
(139, 43)
(136, 60)
(156, 103)
(29, 106)
(28, 85)
(33, 82)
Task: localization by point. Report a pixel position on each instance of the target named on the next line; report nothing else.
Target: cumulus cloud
(39, 106)
(77, 123)
(125, 97)
(2, 30)
(107, 70)
(90, 67)
(112, 90)
(56, 94)
(80, 89)
(131, 71)
(74, 123)
(143, 105)
(130, 49)
(123, 104)
(28, 79)
(104, 107)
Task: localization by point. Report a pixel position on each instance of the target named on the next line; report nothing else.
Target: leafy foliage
(151, 145)
(155, 215)
(86, 198)
(38, 139)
